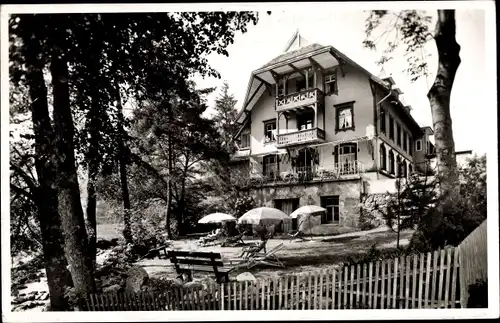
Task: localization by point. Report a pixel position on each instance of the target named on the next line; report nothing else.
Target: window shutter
(336, 154)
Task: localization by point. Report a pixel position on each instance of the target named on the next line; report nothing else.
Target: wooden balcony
(299, 99)
(338, 171)
(301, 137)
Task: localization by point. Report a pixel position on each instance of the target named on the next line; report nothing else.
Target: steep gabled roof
(291, 54)
(298, 48)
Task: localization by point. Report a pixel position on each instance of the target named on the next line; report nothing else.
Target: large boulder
(136, 278)
(194, 285)
(112, 289)
(246, 276)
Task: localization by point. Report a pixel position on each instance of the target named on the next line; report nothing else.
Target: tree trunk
(182, 205)
(70, 207)
(169, 183)
(93, 169)
(58, 276)
(439, 98)
(127, 231)
(91, 212)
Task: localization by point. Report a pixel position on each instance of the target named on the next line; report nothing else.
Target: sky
(344, 29)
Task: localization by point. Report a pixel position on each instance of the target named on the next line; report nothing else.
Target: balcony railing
(309, 173)
(299, 137)
(295, 100)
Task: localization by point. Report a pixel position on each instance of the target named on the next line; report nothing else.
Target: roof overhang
(271, 152)
(240, 155)
(323, 57)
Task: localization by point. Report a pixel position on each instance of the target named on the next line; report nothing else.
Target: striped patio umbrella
(216, 218)
(308, 209)
(263, 216)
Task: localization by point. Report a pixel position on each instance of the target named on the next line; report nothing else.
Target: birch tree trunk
(439, 98)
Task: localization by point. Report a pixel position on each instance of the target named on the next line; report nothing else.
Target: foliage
(243, 204)
(370, 213)
(147, 231)
(405, 208)
(407, 28)
(225, 116)
(455, 216)
(374, 254)
(478, 295)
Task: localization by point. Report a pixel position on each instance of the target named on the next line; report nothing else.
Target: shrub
(456, 215)
(374, 254)
(478, 295)
(148, 230)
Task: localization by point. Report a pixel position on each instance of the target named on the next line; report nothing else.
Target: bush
(374, 254)
(455, 216)
(368, 221)
(478, 295)
(148, 230)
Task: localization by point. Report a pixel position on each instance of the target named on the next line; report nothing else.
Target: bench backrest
(195, 258)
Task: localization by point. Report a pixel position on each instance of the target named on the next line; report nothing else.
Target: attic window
(331, 84)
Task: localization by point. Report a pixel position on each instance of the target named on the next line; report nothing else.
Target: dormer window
(331, 84)
(269, 130)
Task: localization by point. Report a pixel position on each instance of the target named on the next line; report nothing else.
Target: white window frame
(331, 78)
(273, 131)
(417, 144)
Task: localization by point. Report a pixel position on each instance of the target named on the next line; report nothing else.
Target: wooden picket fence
(473, 253)
(419, 281)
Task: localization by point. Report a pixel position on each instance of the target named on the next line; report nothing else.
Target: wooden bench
(186, 262)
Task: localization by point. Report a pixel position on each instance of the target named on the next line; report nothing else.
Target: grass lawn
(109, 231)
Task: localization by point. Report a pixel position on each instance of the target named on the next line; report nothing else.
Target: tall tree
(133, 46)
(70, 207)
(225, 116)
(27, 48)
(411, 27)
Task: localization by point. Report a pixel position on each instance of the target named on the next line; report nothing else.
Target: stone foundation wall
(311, 193)
(370, 217)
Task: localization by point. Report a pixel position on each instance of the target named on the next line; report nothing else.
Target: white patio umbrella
(216, 218)
(263, 215)
(306, 212)
(308, 209)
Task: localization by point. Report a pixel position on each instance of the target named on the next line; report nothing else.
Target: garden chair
(211, 237)
(263, 258)
(248, 251)
(234, 241)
